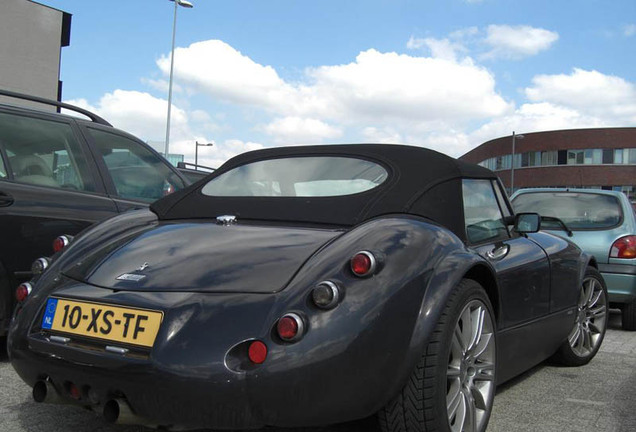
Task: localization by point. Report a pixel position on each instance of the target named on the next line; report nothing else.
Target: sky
(443, 74)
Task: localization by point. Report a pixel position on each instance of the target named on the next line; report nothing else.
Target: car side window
(137, 173)
(482, 215)
(43, 152)
(3, 169)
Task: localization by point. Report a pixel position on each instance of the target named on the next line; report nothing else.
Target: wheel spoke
(470, 424)
(457, 344)
(598, 312)
(574, 335)
(485, 372)
(483, 345)
(597, 295)
(587, 339)
(465, 330)
(476, 328)
(454, 402)
(590, 290)
(453, 372)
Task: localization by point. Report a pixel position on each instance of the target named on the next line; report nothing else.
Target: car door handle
(498, 252)
(5, 199)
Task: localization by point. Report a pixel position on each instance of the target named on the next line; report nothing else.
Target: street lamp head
(520, 136)
(205, 144)
(184, 3)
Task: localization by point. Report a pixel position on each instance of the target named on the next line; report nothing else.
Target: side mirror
(527, 223)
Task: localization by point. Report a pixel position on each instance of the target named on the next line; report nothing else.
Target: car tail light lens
(624, 247)
(326, 295)
(290, 327)
(61, 242)
(257, 352)
(74, 391)
(363, 264)
(39, 265)
(23, 291)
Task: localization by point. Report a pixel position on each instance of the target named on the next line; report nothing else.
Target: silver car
(602, 223)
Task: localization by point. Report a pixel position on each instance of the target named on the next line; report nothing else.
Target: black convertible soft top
(420, 181)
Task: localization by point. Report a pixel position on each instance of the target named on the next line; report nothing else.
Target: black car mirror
(527, 222)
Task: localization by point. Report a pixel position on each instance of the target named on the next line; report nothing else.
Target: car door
(47, 188)
(522, 267)
(134, 174)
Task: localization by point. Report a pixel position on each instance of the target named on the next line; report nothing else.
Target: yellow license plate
(102, 321)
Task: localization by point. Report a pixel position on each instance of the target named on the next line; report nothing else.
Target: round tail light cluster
(326, 295)
(61, 242)
(290, 327)
(23, 291)
(257, 352)
(363, 264)
(39, 265)
(624, 247)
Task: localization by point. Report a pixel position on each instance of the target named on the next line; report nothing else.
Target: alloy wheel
(471, 369)
(591, 318)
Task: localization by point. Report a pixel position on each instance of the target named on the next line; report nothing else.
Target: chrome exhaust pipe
(118, 411)
(44, 391)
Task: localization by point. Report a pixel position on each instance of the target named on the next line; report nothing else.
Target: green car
(602, 223)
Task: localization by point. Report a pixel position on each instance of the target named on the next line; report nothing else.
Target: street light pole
(177, 3)
(196, 151)
(512, 162)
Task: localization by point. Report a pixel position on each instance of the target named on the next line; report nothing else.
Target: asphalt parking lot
(600, 397)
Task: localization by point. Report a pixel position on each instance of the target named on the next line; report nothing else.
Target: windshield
(298, 177)
(577, 210)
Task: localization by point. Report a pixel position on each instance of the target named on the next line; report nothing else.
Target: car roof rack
(94, 117)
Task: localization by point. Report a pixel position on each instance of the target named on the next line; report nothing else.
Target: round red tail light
(257, 352)
(74, 391)
(363, 264)
(61, 242)
(23, 291)
(290, 327)
(624, 247)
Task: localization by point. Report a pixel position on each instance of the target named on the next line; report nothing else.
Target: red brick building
(583, 158)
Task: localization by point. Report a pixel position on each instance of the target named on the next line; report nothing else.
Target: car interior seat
(32, 169)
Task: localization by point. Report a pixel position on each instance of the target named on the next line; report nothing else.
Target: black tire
(590, 325)
(628, 312)
(442, 370)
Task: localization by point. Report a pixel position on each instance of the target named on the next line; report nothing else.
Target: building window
(576, 157)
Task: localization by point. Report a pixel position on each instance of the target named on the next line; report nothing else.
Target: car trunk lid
(203, 257)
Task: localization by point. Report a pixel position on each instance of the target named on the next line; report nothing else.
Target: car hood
(202, 257)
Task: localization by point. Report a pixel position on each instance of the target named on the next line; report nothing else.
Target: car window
(43, 152)
(298, 177)
(482, 215)
(579, 211)
(137, 173)
(3, 169)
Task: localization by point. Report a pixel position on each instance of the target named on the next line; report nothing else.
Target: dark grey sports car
(308, 286)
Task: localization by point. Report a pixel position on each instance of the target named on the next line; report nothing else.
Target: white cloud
(609, 98)
(439, 48)
(629, 30)
(386, 135)
(376, 86)
(296, 130)
(517, 42)
(140, 114)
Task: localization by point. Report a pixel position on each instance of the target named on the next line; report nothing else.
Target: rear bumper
(621, 282)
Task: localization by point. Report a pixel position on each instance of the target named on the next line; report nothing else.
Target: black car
(58, 175)
(309, 286)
